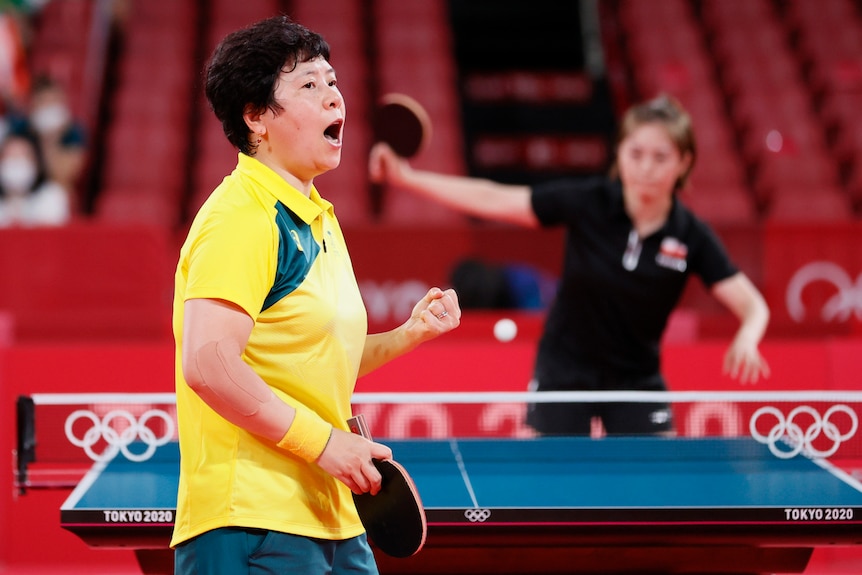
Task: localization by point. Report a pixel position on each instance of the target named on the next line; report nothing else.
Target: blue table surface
(634, 472)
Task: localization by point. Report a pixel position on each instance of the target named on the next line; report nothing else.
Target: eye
(308, 85)
(333, 83)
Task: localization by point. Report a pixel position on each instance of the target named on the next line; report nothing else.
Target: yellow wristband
(307, 436)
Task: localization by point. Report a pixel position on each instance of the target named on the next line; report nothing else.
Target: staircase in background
(533, 106)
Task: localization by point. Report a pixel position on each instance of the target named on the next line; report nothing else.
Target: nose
(645, 166)
(334, 99)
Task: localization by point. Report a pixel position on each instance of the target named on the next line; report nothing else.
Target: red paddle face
(402, 122)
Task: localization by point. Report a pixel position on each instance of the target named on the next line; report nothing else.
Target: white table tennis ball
(505, 329)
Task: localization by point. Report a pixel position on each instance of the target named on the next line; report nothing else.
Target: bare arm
(435, 314)
(743, 360)
(474, 196)
(215, 334)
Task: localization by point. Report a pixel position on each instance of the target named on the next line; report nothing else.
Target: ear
(254, 121)
(686, 163)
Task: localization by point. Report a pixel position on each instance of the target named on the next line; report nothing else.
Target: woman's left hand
(435, 314)
(744, 362)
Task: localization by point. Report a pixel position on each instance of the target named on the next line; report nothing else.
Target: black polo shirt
(617, 290)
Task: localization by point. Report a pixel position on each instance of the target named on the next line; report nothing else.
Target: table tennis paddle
(394, 518)
(403, 123)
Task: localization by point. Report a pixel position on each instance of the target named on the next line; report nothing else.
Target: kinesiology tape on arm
(232, 388)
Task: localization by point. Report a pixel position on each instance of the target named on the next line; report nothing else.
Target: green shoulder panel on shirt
(297, 251)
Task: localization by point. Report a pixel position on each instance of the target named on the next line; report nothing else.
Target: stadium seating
(414, 56)
(773, 89)
(810, 204)
(147, 137)
(774, 104)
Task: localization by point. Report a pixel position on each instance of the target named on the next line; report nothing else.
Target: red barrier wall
(469, 359)
(813, 278)
(95, 282)
(31, 540)
(87, 282)
(109, 289)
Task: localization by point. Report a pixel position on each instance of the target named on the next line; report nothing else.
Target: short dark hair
(242, 72)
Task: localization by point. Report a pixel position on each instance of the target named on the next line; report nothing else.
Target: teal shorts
(243, 551)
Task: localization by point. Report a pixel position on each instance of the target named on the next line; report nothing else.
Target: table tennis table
(550, 505)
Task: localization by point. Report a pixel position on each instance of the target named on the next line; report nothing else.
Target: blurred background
(115, 148)
(110, 91)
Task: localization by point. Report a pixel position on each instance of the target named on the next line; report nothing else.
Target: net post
(25, 452)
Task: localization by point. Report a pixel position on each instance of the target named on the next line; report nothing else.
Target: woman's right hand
(385, 166)
(348, 457)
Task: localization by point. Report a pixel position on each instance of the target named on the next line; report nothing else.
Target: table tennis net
(60, 436)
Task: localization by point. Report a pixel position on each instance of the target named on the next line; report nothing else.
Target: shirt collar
(306, 208)
(675, 219)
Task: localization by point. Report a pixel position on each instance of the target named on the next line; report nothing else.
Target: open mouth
(333, 132)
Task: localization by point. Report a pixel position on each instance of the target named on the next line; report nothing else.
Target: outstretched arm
(473, 196)
(743, 360)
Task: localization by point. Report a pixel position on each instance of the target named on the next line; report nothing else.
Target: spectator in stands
(630, 249)
(28, 197)
(61, 136)
(6, 121)
(14, 65)
(271, 329)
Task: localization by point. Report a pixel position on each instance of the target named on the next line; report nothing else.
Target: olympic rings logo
(477, 515)
(839, 307)
(102, 429)
(799, 441)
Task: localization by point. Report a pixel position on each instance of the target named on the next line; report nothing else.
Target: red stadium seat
(854, 186)
(740, 40)
(717, 168)
(847, 144)
(779, 171)
(415, 57)
(839, 75)
(778, 102)
(722, 205)
(837, 109)
(670, 13)
(728, 13)
(810, 204)
(137, 206)
(775, 74)
(772, 136)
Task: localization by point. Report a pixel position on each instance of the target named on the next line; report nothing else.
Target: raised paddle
(403, 123)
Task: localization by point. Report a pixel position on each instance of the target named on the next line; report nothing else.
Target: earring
(259, 139)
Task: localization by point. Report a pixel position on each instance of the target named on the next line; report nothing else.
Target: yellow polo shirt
(261, 244)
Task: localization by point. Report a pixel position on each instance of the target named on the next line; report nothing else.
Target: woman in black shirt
(630, 248)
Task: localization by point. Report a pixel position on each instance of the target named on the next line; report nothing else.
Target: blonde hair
(668, 112)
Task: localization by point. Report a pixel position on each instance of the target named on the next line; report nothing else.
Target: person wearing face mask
(11, 119)
(27, 196)
(630, 248)
(14, 61)
(60, 135)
